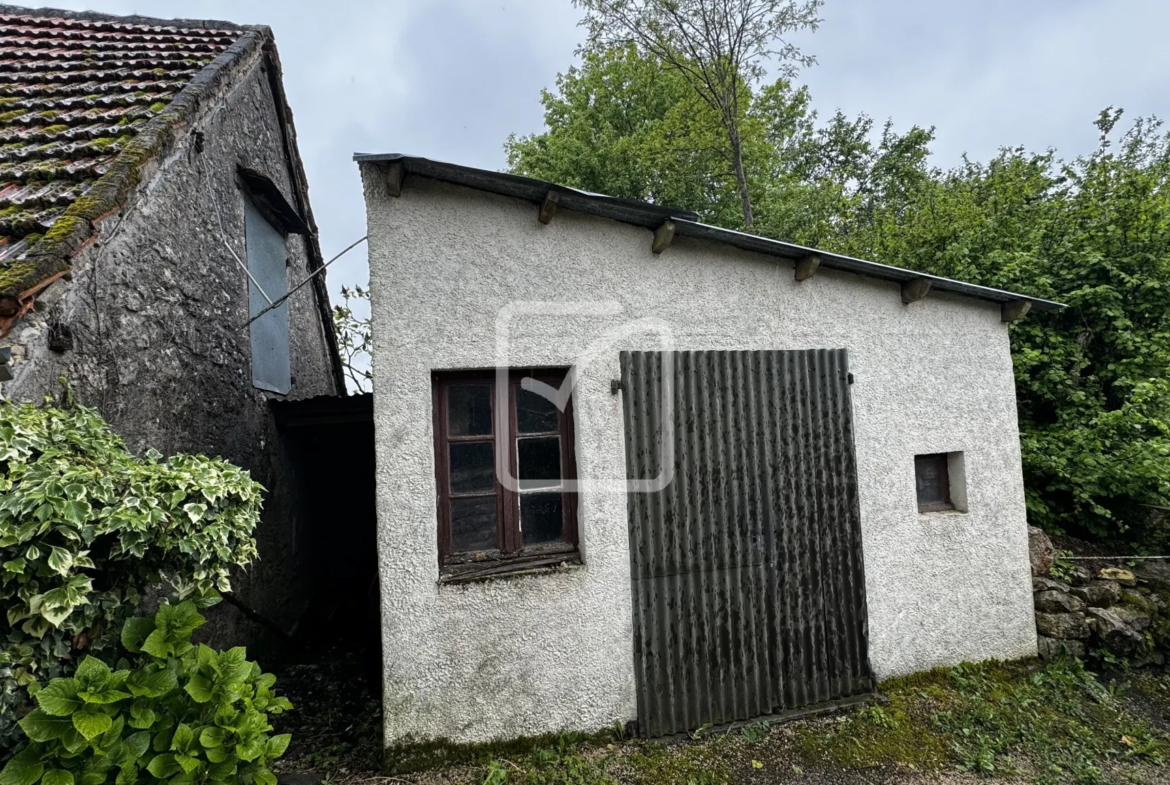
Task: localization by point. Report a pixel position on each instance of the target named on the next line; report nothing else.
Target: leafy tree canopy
(1092, 232)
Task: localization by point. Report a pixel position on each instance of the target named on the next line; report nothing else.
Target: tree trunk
(740, 176)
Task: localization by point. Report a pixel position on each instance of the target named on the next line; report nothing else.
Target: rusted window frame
(944, 477)
(510, 554)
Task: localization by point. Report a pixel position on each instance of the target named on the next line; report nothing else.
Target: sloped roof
(85, 100)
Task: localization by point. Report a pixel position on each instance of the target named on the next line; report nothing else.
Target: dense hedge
(86, 528)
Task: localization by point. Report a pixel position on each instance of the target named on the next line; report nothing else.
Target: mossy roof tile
(73, 93)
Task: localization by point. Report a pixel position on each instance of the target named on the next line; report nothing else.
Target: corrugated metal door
(748, 582)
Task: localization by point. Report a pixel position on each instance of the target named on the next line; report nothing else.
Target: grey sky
(450, 79)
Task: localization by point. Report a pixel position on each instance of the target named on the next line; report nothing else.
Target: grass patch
(1055, 724)
(1044, 724)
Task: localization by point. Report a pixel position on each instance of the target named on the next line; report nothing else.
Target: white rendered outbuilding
(522, 608)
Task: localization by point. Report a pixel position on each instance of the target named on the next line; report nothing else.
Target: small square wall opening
(940, 480)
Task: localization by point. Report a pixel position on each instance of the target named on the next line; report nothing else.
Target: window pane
(930, 475)
(540, 462)
(472, 467)
(540, 517)
(469, 410)
(534, 413)
(473, 524)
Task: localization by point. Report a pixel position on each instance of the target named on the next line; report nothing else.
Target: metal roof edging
(686, 224)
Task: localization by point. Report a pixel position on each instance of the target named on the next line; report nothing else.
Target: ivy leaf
(41, 726)
(194, 511)
(91, 722)
(60, 561)
(59, 698)
(24, 769)
(77, 512)
(57, 777)
(277, 745)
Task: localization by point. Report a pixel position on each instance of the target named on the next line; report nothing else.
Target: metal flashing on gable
(686, 224)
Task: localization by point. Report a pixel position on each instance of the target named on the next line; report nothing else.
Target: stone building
(148, 171)
(633, 467)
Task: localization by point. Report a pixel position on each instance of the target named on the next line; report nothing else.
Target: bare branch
(718, 46)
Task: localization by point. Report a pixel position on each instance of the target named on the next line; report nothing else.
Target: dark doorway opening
(332, 441)
(334, 674)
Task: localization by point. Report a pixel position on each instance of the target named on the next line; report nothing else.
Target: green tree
(628, 126)
(720, 49)
(1093, 232)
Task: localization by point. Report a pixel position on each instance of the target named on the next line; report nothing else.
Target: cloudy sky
(450, 79)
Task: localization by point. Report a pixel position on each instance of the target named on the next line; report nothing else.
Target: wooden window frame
(944, 477)
(510, 555)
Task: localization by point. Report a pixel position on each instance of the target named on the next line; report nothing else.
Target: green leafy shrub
(86, 528)
(179, 713)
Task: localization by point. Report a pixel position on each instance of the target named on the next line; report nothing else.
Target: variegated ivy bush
(86, 528)
(175, 713)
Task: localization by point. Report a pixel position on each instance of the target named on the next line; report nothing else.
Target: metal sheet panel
(268, 264)
(748, 581)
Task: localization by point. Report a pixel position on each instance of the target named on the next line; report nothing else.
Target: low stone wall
(1106, 611)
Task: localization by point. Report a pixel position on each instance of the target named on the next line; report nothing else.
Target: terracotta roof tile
(73, 93)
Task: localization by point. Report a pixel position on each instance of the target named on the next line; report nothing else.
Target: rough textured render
(550, 652)
(148, 325)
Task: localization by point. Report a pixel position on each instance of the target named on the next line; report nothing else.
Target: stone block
(1051, 648)
(1040, 583)
(1040, 551)
(1124, 577)
(1155, 572)
(1063, 625)
(1098, 594)
(1136, 620)
(1058, 602)
(1113, 632)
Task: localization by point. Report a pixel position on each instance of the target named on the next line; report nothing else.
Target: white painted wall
(544, 653)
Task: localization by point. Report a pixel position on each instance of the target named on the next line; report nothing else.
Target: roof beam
(395, 174)
(548, 207)
(1016, 309)
(663, 237)
(913, 291)
(807, 267)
